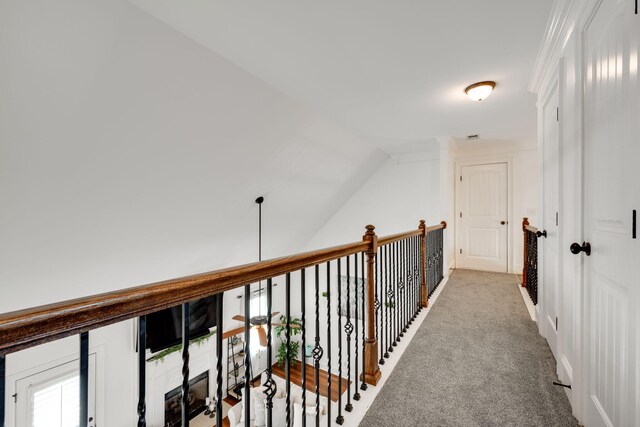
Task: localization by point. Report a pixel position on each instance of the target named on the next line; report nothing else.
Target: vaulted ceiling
(392, 71)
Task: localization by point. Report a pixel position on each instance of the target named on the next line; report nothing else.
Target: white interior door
(483, 216)
(611, 191)
(549, 283)
(51, 398)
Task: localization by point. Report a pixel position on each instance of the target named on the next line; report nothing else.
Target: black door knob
(502, 222)
(576, 248)
(542, 233)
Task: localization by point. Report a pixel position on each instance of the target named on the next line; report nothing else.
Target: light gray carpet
(476, 360)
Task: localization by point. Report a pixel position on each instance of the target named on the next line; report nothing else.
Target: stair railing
(530, 259)
(381, 285)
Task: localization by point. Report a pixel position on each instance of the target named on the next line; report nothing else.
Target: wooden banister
(26, 328)
(30, 327)
(442, 225)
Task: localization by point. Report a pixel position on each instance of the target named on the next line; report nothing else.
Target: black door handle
(502, 222)
(576, 248)
(542, 233)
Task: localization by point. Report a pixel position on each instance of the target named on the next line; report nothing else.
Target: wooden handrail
(442, 225)
(26, 328)
(33, 326)
(530, 228)
(382, 241)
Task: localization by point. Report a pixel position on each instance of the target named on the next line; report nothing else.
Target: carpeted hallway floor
(477, 360)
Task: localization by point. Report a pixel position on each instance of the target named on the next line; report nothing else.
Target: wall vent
(472, 137)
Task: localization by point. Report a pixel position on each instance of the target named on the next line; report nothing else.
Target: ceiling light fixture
(480, 91)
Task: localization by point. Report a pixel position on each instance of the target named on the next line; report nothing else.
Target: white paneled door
(548, 247)
(612, 193)
(482, 217)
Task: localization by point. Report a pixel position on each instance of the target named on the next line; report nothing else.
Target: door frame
(547, 330)
(479, 161)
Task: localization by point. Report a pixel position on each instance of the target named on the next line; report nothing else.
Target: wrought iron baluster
(387, 301)
(317, 349)
(403, 266)
(219, 329)
(339, 418)
(247, 352)
(84, 379)
(3, 373)
(363, 385)
(356, 394)
(401, 286)
(287, 362)
(303, 367)
(270, 387)
(329, 344)
(380, 307)
(348, 329)
(186, 317)
(142, 368)
(394, 265)
(418, 277)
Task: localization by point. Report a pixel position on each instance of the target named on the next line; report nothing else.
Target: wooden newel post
(424, 294)
(371, 369)
(525, 222)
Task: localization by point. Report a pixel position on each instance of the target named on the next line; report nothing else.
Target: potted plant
(294, 346)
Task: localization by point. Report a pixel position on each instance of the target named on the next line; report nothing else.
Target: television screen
(164, 328)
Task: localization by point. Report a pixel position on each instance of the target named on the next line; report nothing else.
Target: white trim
(527, 302)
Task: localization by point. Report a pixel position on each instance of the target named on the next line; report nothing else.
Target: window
(51, 398)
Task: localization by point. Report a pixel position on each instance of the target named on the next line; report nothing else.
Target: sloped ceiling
(393, 71)
(130, 154)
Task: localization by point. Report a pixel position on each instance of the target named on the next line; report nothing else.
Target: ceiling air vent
(472, 137)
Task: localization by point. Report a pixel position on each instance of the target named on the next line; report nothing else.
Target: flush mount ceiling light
(479, 91)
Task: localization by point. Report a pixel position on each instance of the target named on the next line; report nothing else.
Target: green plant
(294, 346)
(164, 353)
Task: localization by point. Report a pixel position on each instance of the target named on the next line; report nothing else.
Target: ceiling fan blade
(232, 332)
(275, 313)
(238, 317)
(262, 334)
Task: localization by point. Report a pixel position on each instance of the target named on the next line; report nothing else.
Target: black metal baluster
(409, 307)
(287, 362)
(142, 368)
(379, 307)
(317, 349)
(387, 299)
(329, 344)
(416, 274)
(348, 329)
(84, 379)
(403, 264)
(219, 333)
(340, 418)
(303, 367)
(270, 387)
(363, 385)
(3, 373)
(246, 394)
(186, 318)
(396, 294)
(356, 394)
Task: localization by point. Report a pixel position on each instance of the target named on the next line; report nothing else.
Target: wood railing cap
(29, 327)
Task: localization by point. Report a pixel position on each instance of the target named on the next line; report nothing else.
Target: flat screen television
(164, 328)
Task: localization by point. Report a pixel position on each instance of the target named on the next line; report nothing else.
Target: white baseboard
(527, 302)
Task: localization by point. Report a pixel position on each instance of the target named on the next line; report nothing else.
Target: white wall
(402, 191)
(523, 197)
(394, 199)
(131, 154)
